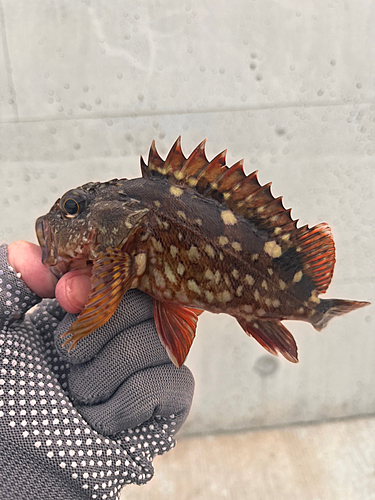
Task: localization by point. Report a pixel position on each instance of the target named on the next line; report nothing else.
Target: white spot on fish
(247, 308)
(297, 277)
(227, 280)
(256, 295)
(282, 285)
(235, 274)
(198, 221)
(180, 236)
(115, 230)
(249, 280)
(140, 263)
(273, 249)
(181, 214)
(192, 285)
(223, 240)
(173, 250)
(178, 174)
(224, 296)
(159, 222)
(169, 273)
(239, 291)
(159, 279)
(217, 277)
(236, 246)
(193, 253)
(228, 217)
(270, 271)
(301, 310)
(180, 269)
(175, 191)
(157, 203)
(157, 245)
(209, 251)
(264, 284)
(192, 182)
(209, 296)
(208, 274)
(314, 298)
(261, 312)
(268, 302)
(254, 257)
(276, 303)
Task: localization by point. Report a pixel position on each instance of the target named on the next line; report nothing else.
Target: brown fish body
(195, 235)
(208, 264)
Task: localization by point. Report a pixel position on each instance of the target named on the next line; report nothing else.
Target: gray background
(86, 85)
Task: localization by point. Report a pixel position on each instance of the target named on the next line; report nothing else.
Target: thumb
(72, 290)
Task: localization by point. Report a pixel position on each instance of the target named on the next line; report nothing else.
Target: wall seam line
(8, 63)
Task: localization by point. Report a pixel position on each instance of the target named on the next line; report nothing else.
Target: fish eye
(73, 203)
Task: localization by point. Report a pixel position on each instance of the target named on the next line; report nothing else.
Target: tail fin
(329, 308)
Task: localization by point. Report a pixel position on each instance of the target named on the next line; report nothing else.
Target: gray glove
(82, 424)
(121, 375)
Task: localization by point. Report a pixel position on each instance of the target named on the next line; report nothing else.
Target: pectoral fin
(176, 327)
(273, 336)
(112, 275)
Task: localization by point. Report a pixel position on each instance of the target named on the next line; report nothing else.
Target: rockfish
(195, 235)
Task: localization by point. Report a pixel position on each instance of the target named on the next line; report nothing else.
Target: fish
(196, 235)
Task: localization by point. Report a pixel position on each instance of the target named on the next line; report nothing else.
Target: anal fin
(112, 275)
(273, 336)
(176, 327)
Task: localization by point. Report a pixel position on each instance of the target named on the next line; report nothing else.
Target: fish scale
(196, 235)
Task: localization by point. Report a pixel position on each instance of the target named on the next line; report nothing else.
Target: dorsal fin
(242, 193)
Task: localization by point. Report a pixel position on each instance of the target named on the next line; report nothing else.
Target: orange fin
(273, 336)
(317, 254)
(112, 275)
(176, 327)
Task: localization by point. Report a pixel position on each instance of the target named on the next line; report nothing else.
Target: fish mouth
(58, 262)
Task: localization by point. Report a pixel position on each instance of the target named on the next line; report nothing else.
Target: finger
(133, 349)
(72, 290)
(26, 258)
(134, 308)
(158, 391)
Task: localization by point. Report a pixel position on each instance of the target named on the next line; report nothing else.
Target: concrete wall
(86, 85)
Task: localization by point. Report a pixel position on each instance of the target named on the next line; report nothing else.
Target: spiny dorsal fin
(242, 193)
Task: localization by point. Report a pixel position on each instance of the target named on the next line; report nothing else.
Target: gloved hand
(120, 375)
(83, 423)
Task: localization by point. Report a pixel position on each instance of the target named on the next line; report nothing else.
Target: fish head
(84, 222)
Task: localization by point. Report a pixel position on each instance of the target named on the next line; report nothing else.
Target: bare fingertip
(72, 292)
